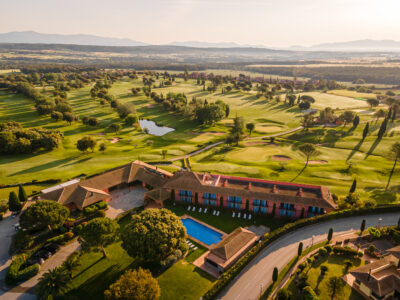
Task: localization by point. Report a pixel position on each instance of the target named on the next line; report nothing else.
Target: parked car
(52, 248)
(42, 254)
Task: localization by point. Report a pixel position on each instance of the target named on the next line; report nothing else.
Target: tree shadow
(355, 149)
(301, 171)
(42, 167)
(88, 267)
(374, 145)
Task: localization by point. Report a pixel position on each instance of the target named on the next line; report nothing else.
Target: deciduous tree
(44, 213)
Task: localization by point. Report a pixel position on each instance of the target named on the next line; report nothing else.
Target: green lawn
(184, 281)
(336, 267)
(96, 273)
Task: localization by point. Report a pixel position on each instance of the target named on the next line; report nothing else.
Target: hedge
(14, 274)
(62, 238)
(345, 251)
(91, 209)
(229, 275)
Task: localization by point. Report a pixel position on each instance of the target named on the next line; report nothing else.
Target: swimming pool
(200, 232)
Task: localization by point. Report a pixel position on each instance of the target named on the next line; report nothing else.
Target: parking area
(125, 199)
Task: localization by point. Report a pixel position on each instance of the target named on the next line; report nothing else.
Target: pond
(153, 128)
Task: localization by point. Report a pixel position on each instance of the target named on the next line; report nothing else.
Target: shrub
(309, 294)
(77, 229)
(91, 209)
(376, 233)
(322, 252)
(22, 241)
(328, 248)
(345, 251)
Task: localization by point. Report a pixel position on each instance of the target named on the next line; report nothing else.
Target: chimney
(249, 186)
(369, 274)
(226, 183)
(274, 190)
(300, 192)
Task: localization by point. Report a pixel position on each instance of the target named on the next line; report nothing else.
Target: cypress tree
(273, 210)
(221, 202)
(365, 131)
(275, 274)
(353, 186)
(330, 234)
(13, 202)
(173, 195)
(302, 212)
(362, 228)
(196, 198)
(22, 194)
(300, 249)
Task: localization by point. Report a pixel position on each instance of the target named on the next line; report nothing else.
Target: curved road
(257, 276)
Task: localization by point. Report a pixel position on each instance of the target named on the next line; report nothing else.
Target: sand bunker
(150, 106)
(114, 140)
(317, 162)
(280, 157)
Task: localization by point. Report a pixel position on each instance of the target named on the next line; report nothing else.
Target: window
(238, 200)
(238, 206)
(213, 202)
(256, 202)
(263, 203)
(263, 210)
(206, 202)
(209, 196)
(256, 209)
(230, 205)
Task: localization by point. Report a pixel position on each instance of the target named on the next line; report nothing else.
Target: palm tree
(395, 154)
(70, 265)
(308, 150)
(52, 283)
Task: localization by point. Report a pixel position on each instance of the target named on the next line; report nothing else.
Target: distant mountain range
(359, 45)
(32, 37)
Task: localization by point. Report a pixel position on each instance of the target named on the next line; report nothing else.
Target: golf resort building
(256, 196)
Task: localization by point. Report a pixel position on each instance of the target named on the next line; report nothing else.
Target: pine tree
(22, 194)
(353, 186)
(365, 131)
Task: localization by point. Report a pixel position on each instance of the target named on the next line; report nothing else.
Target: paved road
(256, 277)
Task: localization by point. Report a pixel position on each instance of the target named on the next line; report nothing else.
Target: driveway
(125, 199)
(257, 276)
(6, 232)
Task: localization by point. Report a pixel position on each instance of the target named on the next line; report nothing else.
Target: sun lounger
(192, 246)
(189, 207)
(217, 213)
(244, 216)
(205, 210)
(194, 208)
(239, 215)
(195, 248)
(214, 212)
(200, 209)
(249, 217)
(233, 214)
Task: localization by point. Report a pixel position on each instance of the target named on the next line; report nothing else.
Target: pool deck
(206, 225)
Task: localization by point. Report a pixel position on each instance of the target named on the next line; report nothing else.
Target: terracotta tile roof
(77, 193)
(384, 277)
(275, 191)
(159, 194)
(395, 251)
(232, 243)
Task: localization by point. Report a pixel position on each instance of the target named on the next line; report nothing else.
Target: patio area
(125, 199)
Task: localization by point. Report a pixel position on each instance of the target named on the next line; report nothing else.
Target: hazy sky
(266, 22)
